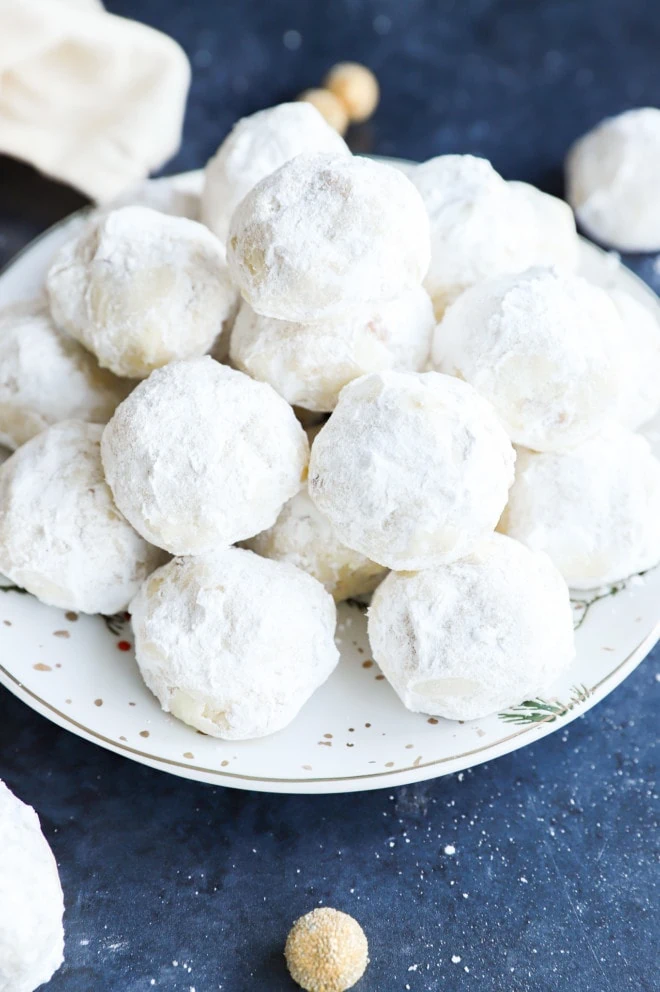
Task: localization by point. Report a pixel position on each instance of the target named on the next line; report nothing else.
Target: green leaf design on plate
(544, 711)
(582, 605)
(116, 622)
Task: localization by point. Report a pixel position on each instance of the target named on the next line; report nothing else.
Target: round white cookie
(612, 180)
(545, 348)
(255, 147)
(201, 456)
(304, 537)
(45, 376)
(309, 364)
(480, 227)
(233, 644)
(326, 234)
(140, 289)
(557, 241)
(412, 469)
(178, 195)
(593, 509)
(61, 536)
(640, 398)
(467, 639)
(31, 900)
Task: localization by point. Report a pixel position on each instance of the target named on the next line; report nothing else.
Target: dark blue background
(553, 883)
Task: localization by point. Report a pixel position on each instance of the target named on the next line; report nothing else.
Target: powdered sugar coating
(467, 639)
(326, 234)
(232, 643)
(593, 509)
(304, 537)
(612, 180)
(45, 376)
(201, 456)
(31, 900)
(178, 195)
(140, 289)
(309, 364)
(556, 235)
(412, 469)
(545, 348)
(480, 228)
(61, 536)
(256, 146)
(640, 397)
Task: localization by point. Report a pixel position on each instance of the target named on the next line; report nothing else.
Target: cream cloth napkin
(94, 100)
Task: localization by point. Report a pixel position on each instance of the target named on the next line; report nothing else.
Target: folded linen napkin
(89, 98)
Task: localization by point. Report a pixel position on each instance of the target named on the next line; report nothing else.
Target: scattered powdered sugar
(31, 907)
(309, 364)
(326, 234)
(473, 637)
(140, 289)
(232, 643)
(255, 147)
(61, 535)
(46, 376)
(593, 509)
(544, 347)
(413, 469)
(193, 474)
(480, 226)
(612, 180)
(304, 537)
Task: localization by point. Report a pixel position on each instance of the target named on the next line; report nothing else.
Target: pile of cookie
(329, 376)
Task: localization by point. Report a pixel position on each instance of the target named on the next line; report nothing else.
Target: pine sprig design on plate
(12, 588)
(544, 711)
(582, 605)
(116, 622)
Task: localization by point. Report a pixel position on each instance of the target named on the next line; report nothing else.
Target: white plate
(354, 734)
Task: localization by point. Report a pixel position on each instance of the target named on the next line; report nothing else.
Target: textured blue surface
(552, 886)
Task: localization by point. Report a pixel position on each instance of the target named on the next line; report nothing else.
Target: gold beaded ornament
(326, 951)
(349, 95)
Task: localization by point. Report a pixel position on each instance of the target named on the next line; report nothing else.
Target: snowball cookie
(309, 364)
(546, 349)
(177, 195)
(326, 234)
(45, 376)
(200, 456)
(640, 398)
(480, 227)
(233, 644)
(412, 469)
(467, 639)
(257, 146)
(557, 239)
(593, 509)
(61, 535)
(31, 901)
(304, 537)
(140, 289)
(612, 180)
